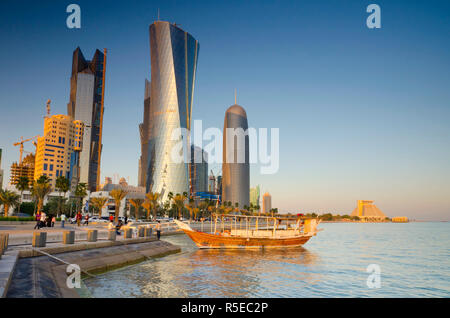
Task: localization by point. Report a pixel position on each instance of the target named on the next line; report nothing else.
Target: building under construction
(24, 169)
(368, 212)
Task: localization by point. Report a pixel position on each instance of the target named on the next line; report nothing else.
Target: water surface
(414, 259)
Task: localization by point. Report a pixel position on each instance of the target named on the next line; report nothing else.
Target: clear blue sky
(363, 114)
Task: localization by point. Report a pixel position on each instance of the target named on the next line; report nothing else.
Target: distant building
(199, 170)
(108, 186)
(63, 138)
(1, 171)
(368, 212)
(86, 104)
(236, 164)
(400, 219)
(144, 132)
(255, 196)
(267, 203)
(218, 185)
(26, 169)
(212, 184)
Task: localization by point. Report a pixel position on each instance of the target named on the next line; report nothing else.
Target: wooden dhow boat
(241, 231)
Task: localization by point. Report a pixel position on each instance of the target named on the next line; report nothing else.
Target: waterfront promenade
(27, 271)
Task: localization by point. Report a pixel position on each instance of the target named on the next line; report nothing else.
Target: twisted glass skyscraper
(173, 54)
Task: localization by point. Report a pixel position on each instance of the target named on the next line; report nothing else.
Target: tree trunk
(6, 207)
(116, 219)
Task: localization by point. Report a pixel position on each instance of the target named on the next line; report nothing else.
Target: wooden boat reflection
(240, 231)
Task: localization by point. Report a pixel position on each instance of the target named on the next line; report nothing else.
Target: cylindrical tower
(235, 165)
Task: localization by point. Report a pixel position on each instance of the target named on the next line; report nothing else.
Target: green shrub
(15, 218)
(27, 208)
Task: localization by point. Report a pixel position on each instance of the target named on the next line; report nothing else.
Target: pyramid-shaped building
(368, 212)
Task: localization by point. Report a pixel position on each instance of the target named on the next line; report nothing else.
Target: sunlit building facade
(174, 55)
(255, 196)
(266, 203)
(236, 164)
(87, 105)
(63, 136)
(24, 169)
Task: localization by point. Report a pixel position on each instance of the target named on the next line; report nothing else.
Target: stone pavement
(43, 276)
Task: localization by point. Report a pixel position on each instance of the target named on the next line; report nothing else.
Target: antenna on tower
(158, 14)
(48, 107)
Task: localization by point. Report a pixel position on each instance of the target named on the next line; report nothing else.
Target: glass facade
(236, 172)
(174, 54)
(86, 105)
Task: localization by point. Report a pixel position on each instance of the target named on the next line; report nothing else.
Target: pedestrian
(118, 226)
(86, 219)
(158, 230)
(111, 218)
(79, 217)
(126, 219)
(43, 216)
(38, 221)
(53, 221)
(63, 219)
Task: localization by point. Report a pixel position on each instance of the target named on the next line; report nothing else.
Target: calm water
(414, 259)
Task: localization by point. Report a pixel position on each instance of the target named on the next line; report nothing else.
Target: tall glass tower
(87, 91)
(173, 54)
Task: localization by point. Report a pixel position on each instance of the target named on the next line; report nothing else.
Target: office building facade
(198, 170)
(174, 55)
(236, 165)
(255, 196)
(62, 137)
(86, 104)
(267, 203)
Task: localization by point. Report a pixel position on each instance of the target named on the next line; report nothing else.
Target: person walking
(43, 217)
(86, 218)
(79, 217)
(63, 220)
(38, 221)
(53, 221)
(111, 218)
(158, 230)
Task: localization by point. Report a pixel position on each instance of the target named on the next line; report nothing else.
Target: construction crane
(20, 143)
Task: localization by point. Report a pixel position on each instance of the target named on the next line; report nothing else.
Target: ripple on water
(413, 257)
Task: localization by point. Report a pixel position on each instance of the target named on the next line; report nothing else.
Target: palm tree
(99, 203)
(203, 206)
(178, 201)
(43, 179)
(118, 195)
(39, 192)
(23, 184)
(190, 206)
(80, 193)
(147, 206)
(137, 204)
(62, 185)
(8, 199)
(153, 198)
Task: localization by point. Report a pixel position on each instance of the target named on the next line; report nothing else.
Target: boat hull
(206, 240)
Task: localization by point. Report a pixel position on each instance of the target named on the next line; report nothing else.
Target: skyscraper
(199, 169)
(254, 195)
(62, 137)
(1, 171)
(267, 203)
(173, 54)
(144, 132)
(235, 166)
(86, 103)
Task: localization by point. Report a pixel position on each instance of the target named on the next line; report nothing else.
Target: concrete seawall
(37, 276)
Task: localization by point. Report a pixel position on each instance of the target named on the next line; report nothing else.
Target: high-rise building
(267, 203)
(254, 196)
(87, 90)
(144, 131)
(218, 185)
(24, 169)
(173, 54)
(1, 171)
(63, 137)
(199, 170)
(236, 165)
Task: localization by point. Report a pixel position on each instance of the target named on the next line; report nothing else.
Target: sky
(363, 113)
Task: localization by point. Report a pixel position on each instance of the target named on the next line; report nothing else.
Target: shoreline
(34, 275)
